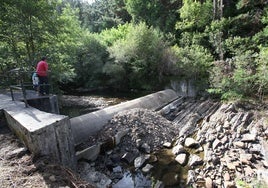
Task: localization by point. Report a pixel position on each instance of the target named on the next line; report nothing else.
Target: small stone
(216, 144)
(128, 157)
(226, 176)
(248, 138)
(190, 142)
(245, 158)
(181, 158)
(177, 149)
(209, 182)
(117, 169)
(52, 178)
(239, 144)
(159, 184)
(230, 166)
(17, 153)
(139, 161)
(167, 144)
(249, 171)
(229, 184)
(224, 140)
(195, 160)
(153, 158)
(190, 177)
(147, 168)
(200, 149)
(218, 181)
(145, 148)
(138, 142)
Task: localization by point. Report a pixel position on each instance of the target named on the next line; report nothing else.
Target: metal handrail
(22, 88)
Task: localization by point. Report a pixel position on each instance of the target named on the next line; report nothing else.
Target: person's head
(44, 58)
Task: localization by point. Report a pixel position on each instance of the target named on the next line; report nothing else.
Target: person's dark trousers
(44, 89)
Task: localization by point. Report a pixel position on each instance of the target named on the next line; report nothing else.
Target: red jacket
(42, 68)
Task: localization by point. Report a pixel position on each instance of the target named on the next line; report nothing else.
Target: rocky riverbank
(188, 143)
(210, 144)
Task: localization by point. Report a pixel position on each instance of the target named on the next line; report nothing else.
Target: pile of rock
(145, 130)
(220, 144)
(235, 149)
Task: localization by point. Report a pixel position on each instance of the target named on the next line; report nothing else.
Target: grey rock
(117, 169)
(190, 142)
(248, 138)
(177, 149)
(249, 171)
(239, 144)
(216, 143)
(226, 176)
(181, 158)
(129, 157)
(190, 177)
(229, 184)
(245, 158)
(139, 161)
(159, 184)
(145, 148)
(147, 168)
(209, 182)
(195, 160)
(99, 179)
(167, 144)
(17, 153)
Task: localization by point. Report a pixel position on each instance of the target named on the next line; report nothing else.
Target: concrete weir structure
(41, 132)
(89, 124)
(56, 135)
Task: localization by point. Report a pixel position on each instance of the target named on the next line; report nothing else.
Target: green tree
(193, 63)
(160, 14)
(25, 25)
(262, 72)
(91, 57)
(104, 14)
(195, 16)
(138, 58)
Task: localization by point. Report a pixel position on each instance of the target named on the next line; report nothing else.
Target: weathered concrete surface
(89, 124)
(43, 133)
(46, 103)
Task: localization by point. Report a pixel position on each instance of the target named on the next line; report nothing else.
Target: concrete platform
(47, 103)
(42, 133)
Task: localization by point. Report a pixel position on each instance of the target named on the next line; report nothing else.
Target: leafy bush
(90, 59)
(193, 63)
(138, 58)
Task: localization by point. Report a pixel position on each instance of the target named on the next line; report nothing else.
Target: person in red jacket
(42, 72)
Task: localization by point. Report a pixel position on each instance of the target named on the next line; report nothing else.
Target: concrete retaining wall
(43, 133)
(89, 124)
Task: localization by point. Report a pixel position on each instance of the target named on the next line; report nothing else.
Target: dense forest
(219, 45)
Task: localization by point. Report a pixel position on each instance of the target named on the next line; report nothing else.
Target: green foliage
(130, 53)
(244, 73)
(25, 25)
(159, 14)
(104, 14)
(90, 59)
(262, 72)
(193, 63)
(138, 58)
(109, 37)
(195, 15)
